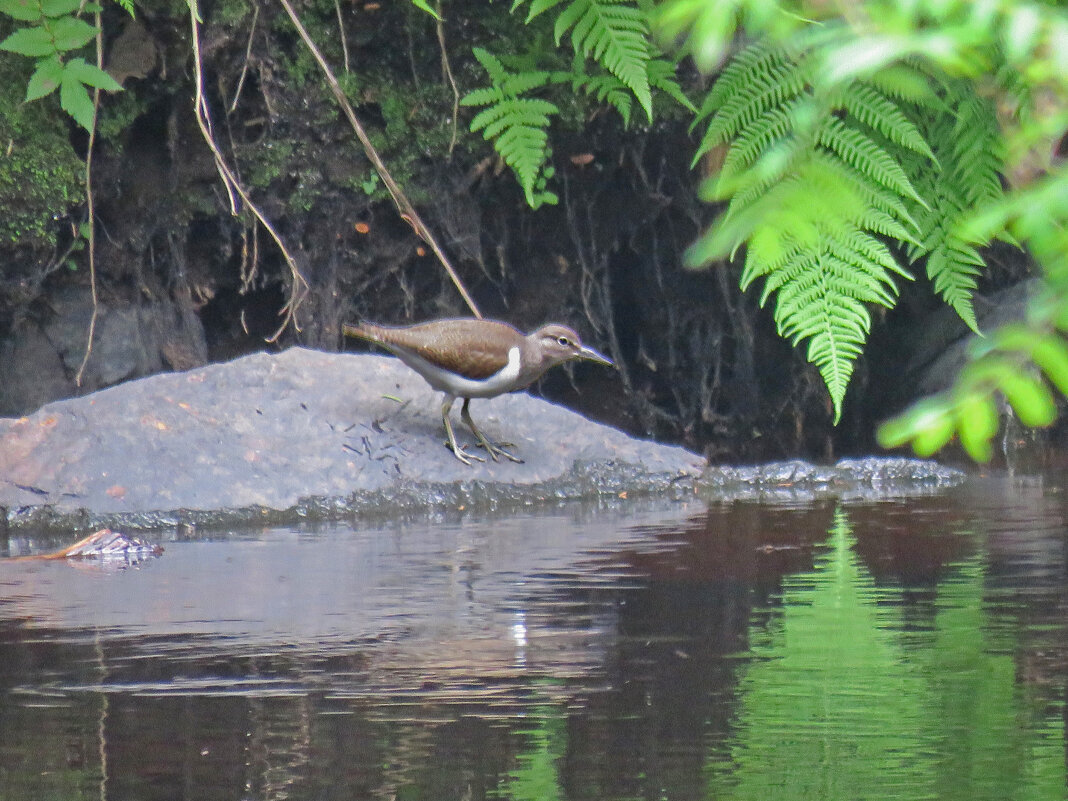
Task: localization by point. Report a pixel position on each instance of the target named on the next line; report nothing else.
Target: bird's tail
(359, 330)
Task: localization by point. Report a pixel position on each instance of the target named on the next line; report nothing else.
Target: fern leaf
(765, 90)
(615, 34)
(491, 64)
(772, 126)
(482, 97)
(810, 194)
(537, 7)
(966, 139)
(517, 125)
(521, 82)
(953, 268)
(835, 323)
(757, 59)
(662, 77)
(515, 113)
(879, 113)
(607, 89)
(862, 153)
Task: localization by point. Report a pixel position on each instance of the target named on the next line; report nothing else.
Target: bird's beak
(586, 352)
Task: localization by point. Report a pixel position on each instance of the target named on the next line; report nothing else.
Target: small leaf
(34, 41)
(83, 230)
(70, 33)
(1031, 399)
(75, 100)
(978, 423)
(92, 75)
(25, 10)
(929, 424)
(932, 438)
(1051, 354)
(45, 78)
(59, 8)
(425, 6)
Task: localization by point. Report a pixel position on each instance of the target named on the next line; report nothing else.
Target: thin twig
(90, 212)
(341, 33)
(248, 55)
(407, 211)
(447, 70)
(230, 180)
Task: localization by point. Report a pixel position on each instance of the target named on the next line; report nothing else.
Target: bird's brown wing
(460, 345)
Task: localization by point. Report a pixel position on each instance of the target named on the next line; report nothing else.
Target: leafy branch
(54, 32)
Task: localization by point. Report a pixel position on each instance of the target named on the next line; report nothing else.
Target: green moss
(268, 161)
(117, 113)
(231, 13)
(40, 174)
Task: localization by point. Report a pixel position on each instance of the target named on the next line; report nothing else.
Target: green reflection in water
(536, 777)
(841, 701)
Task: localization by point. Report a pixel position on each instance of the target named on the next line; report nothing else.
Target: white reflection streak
(519, 635)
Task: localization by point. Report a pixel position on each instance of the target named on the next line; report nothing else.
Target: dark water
(895, 650)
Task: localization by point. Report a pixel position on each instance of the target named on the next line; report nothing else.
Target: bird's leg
(457, 451)
(492, 450)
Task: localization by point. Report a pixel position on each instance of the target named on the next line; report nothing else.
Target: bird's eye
(564, 341)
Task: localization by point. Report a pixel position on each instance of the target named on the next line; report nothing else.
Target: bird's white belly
(460, 387)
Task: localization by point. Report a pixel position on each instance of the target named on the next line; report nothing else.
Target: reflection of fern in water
(818, 178)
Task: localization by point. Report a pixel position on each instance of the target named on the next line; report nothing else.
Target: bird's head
(559, 344)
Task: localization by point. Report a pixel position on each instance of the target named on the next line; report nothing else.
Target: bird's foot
(494, 450)
(460, 452)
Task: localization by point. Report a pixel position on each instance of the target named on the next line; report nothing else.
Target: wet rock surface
(298, 434)
(307, 434)
(850, 479)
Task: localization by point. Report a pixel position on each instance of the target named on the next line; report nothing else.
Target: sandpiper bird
(470, 358)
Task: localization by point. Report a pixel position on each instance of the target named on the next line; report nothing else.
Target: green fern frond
(817, 181)
(614, 33)
(965, 138)
(777, 84)
(536, 7)
(491, 64)
(978, 151)
(906, 82)
(755, 60)
(662, 77)
(606, 88)
(863, 154)
(881, 114)
(518, 126)
(819, 306)
(511, 113)
(772, 126)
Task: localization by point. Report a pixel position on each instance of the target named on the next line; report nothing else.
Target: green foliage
(612, 37)
(40, 174)
(516, 124)
(817, 177)
(913, 103)
(54, 33)
(614, 33)
(833, 181)
(967, 139)
(1017, 359)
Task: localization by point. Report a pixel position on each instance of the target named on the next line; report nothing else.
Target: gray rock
(300, 433)
(852, 479)
(39, 359)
